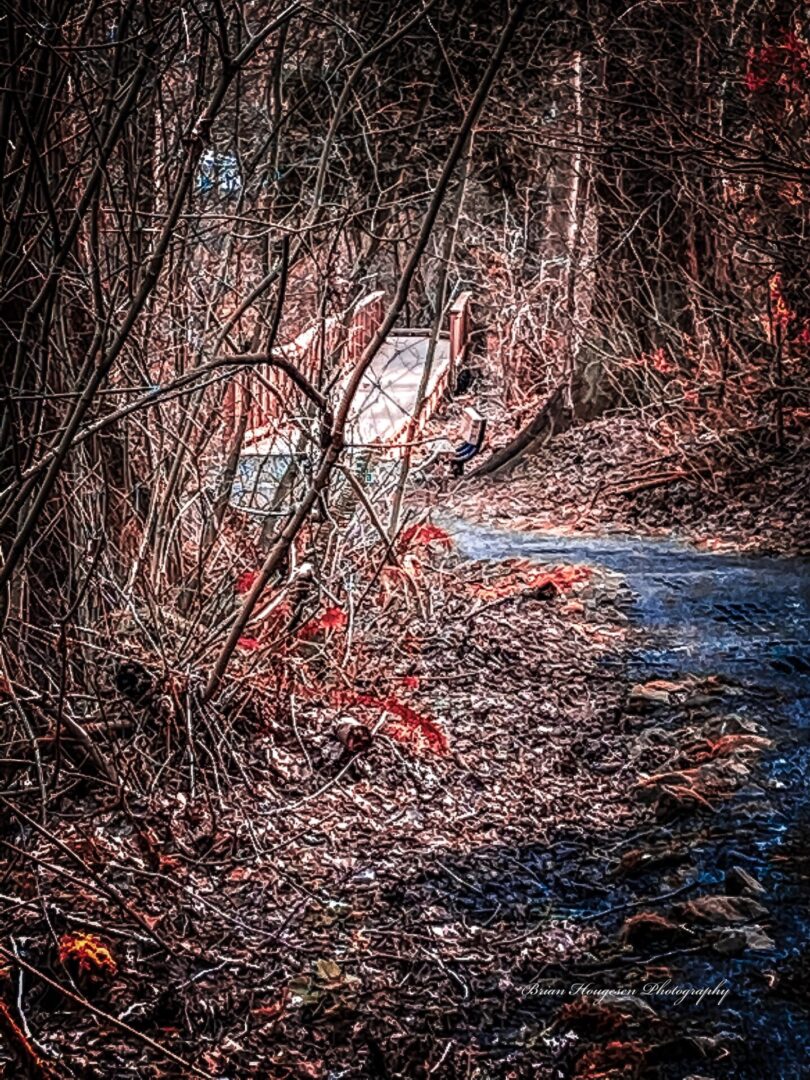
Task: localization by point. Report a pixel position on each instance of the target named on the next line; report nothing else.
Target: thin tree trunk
(424, 382)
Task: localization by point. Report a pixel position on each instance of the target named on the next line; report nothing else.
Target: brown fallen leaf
(723, 909)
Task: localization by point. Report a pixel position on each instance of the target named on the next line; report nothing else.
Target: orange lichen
(86, 955)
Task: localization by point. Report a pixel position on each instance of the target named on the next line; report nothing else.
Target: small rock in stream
(740, 881)
(733, 942)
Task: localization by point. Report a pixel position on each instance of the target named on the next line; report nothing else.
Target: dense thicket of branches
(186, 186)
(189, 182)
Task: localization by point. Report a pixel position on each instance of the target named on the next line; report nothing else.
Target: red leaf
(781, 312)
(422, 535)
(246, 581)
(410, 728)
(333, 618)
(248, 643)
(662, 363)
(782, 67)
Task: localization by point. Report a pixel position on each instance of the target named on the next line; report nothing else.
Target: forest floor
(487, 830)
(499, 846)
(628, 474)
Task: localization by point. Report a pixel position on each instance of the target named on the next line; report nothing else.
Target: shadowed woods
(404, 596)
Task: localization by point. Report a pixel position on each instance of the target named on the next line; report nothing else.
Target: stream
(739, 616)
(745, 620)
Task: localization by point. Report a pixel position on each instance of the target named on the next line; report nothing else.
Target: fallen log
(565, 405)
